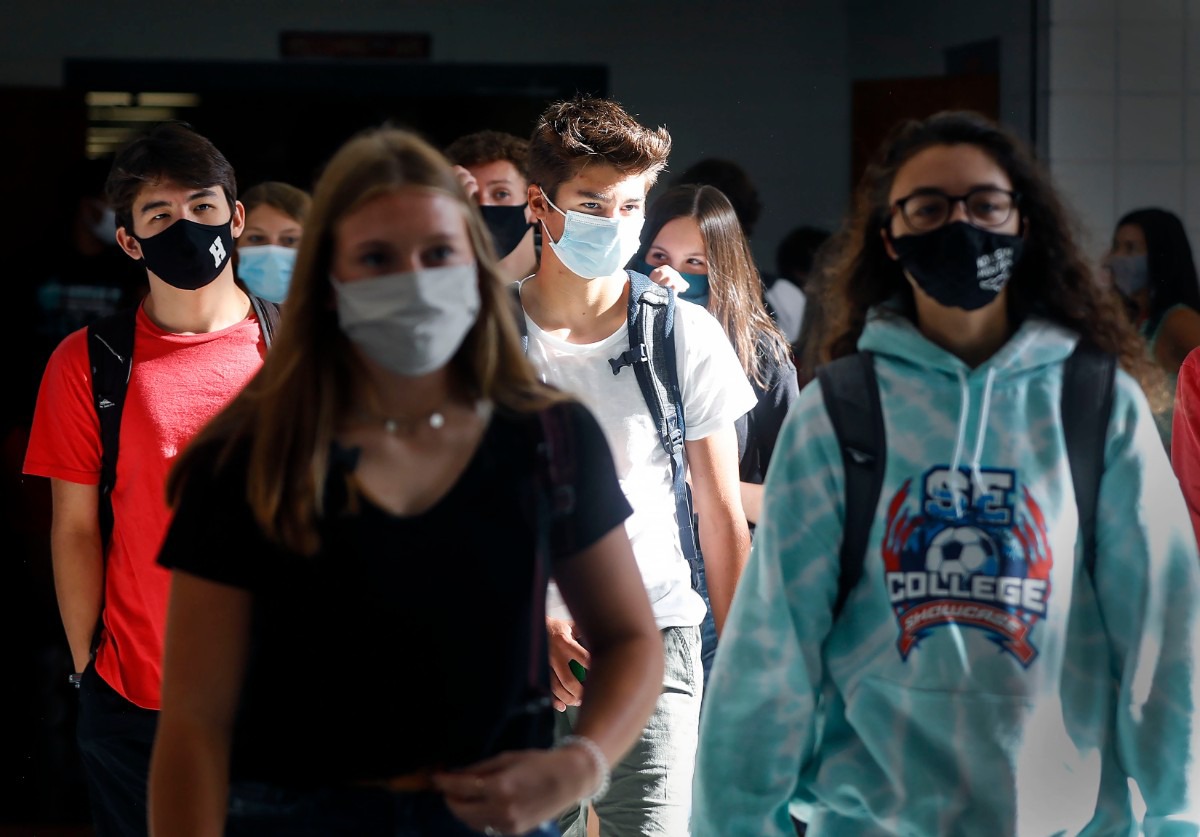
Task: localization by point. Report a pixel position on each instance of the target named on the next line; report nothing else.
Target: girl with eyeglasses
(983, 675)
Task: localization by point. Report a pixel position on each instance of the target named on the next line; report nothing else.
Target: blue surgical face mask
(267, 270)
(697, 289)
(591, 246)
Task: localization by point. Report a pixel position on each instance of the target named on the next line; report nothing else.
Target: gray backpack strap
(652, 355)
(514, 294)
(267, 313)
(1088, 388)
(851, 395)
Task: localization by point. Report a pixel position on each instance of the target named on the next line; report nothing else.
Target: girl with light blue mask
(275, 215)
(693, 242)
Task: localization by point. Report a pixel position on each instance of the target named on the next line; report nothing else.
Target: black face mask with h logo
(187, 255)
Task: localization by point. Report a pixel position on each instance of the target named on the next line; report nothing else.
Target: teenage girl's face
(954, 170)
(399, 232)
(1129, 240)
(680, 245)
(268, 225)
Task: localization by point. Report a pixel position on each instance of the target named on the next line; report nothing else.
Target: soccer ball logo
(961, 551)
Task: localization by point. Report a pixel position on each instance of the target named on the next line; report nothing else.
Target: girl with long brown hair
(356, 635)
(995, 669)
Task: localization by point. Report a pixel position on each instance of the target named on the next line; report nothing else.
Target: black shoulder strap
(851, 395)
(1089, 381)
(110, 356)
(267, 313)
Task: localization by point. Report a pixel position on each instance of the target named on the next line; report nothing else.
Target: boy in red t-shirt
(196, 343)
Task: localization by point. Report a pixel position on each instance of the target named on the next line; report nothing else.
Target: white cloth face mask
(410, 323)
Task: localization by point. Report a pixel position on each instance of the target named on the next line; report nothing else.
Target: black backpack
(110, 355)
(651, 354)
(851, 396)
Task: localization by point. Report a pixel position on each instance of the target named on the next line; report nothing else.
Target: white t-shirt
(788, 302)
(715, 393)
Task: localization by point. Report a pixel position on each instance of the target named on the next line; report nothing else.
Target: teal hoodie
(978, 680)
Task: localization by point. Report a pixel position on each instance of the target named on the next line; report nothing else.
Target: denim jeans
(708, 628)
(651, 791)
(115, 739)
(258, 809)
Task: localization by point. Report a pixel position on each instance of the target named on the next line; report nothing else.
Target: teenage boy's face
(598, 189)
(159, 205)
(500, 184)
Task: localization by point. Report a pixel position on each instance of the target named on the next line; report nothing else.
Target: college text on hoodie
(979, 680)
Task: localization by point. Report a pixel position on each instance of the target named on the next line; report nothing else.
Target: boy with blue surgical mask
(590, 167)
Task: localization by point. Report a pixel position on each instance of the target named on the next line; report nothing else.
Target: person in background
(692, 242)
(784, 300)
(591, 165)
(397, 406)
(493, 167)
(266, 252)
(89, 276)
(984, 675)
(1151, 266)
(196, 341)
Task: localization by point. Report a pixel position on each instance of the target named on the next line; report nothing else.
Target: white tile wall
(1191, 128)
(1149, 184)
(1085, 11)
(1123, 114)
(1149, 128)
(1149, 57)
(1089, 193)
(1084, 126)
(1082, 58)
(1150, 9)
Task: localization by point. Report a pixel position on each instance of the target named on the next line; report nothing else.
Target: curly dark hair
(488, 147)
(1052, 279)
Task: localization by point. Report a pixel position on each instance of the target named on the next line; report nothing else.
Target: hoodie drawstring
(964, 410)
(984, 408)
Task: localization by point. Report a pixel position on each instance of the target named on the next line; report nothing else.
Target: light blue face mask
(697, 289)
(591, 246)
(267, 270)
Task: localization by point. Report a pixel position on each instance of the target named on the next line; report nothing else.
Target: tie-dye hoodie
(979, 681)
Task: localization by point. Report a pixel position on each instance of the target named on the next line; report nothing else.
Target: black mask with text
(187, 255)
(507, 225)
(959, 265)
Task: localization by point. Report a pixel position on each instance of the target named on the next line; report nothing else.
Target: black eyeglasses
(927, 209)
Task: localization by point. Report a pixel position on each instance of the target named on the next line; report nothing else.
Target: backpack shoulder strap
(267, 313)
(652, 355)
(110, 356)
(851, 394)
(1089, 383)
(514, 293)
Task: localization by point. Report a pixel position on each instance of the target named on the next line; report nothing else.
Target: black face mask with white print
(187, 255)
(959, 265)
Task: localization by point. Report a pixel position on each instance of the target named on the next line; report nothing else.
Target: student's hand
(515, 792)
(468, 181)
(668, 277)
(564, 647)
